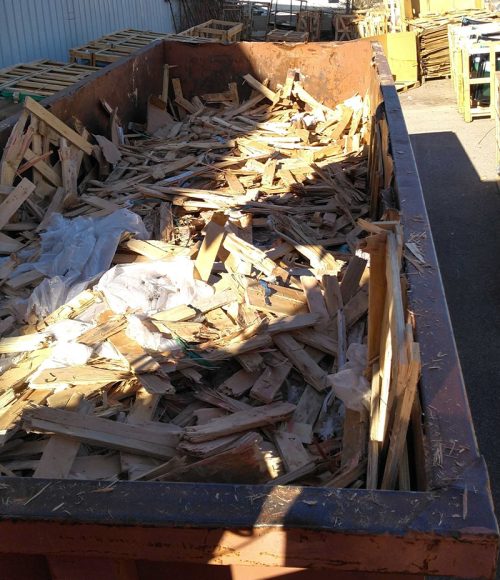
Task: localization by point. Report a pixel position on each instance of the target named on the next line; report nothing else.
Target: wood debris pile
(265, 201)
(433, 45)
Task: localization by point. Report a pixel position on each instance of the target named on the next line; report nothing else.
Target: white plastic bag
(140, 333)
(149, 287)
(74, 252)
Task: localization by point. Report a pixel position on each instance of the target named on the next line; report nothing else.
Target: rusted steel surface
(330, 70)
(447, 529)
(254, 525)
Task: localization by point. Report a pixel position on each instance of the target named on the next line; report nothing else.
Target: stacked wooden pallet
(111, 47)
(310, 21)
(361, 24)
(216, 30)
(40, 79)
(433, 42)
(277, 35)
(258, 353)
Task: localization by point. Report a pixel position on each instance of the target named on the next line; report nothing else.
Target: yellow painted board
(400, 48)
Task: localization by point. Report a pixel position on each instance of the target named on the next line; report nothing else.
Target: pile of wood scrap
(259, 367)
(432, 35)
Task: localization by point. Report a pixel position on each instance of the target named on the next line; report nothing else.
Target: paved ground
(458, 174)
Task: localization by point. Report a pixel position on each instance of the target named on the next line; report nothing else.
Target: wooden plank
(14, 150)
(43, 168)
(143, 440)
(212, 242)
(239, 421)
(352, 276)
(401, 419)
(14, 200)
(315, 300)
(267, 385)
(143, 409)
(256, 85)
(302, 361)
(291, 450)
(60, 452)
(78, 375)
(57, 125)
(238, 383)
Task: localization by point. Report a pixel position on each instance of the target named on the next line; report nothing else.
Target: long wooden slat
(57, 125)
(15, 200)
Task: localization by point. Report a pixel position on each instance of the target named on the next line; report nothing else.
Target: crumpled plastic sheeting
(153, 341)
(349, 384)
(74, 252)
(149, 287)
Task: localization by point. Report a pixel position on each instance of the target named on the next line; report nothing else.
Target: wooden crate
(310, 21)
(286, 36)
(40, 79)
(361, 24)
(219, 30)
(470, 105)
(113, 46)
(459, 37)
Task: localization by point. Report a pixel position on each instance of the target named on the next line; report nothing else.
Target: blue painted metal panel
(39, 29)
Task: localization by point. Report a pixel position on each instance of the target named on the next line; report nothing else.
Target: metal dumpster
(81, 529)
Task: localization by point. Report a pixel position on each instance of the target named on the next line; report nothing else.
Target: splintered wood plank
(352, 277)
(234, 183)
(15, 200)
(239, 383)
(354, 438)
(401, 419)
(251, 361)
(291, 450)
(155, 384)
(318, 340)
(309, 406)
(8, 246)
(78, 375)
(14, 150)
(166, 221)
(57, 125)
(11, 416)
(375, 245)
(55, 206)
(270, 381)
(315, 299)
(239, 421)
(143, 409)
(302, 361)
(43, 168)
(269, 171)
(138, 359)
(143, 440)
(256, 85)
(60, 452)
(342, 125)
(15, 376)
(273, 301)
(25, 343)
(69, 170)
(214, 236)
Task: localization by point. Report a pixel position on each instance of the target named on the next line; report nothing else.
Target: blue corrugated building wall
(35, 29)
